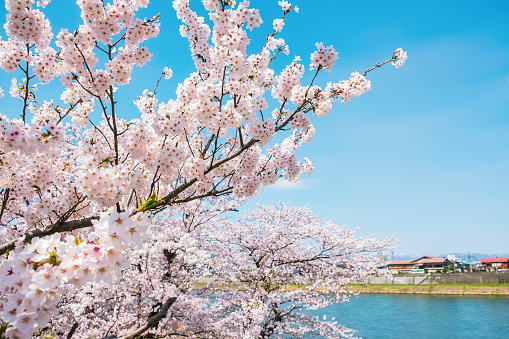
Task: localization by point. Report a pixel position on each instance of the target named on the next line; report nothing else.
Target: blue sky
(423, 155)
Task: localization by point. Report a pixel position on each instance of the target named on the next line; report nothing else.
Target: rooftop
(493, 260)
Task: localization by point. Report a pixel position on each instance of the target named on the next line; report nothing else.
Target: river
(423, 316)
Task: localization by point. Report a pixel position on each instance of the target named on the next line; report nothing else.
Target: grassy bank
(460, 289)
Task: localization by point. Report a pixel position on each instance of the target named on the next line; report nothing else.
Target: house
(431, 264)
(400, 265)
(498, 263)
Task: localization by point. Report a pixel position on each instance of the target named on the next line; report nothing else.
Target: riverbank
(455, 289)
(452, 289)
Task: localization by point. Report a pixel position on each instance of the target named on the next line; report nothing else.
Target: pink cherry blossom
(401, 57)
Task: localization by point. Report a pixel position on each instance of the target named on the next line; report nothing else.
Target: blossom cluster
(353, 87)
(286, 6)
(401, 57)
(324, 57)
(31, 279)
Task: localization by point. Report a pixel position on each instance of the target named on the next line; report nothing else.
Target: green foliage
(151, 202)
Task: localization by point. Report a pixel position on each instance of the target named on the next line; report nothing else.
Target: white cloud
(283, 184)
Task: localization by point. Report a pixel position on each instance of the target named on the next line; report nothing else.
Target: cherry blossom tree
(273, 247)
(86, 192)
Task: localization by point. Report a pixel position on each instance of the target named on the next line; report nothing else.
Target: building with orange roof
(498, 263)
(431, 264)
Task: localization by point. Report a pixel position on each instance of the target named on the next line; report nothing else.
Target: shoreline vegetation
(456, 289)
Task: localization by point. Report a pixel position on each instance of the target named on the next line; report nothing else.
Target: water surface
(423, 316)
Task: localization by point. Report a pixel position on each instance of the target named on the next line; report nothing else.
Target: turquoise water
(423, 316)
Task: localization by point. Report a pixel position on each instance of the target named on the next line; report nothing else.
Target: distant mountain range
(477, 256)
(465, 257)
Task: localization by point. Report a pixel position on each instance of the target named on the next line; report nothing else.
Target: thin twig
(378, 64)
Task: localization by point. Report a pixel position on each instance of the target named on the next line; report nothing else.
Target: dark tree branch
(25, 96)
(152, 321)
(71, 332)
(169, 198)
(52, 229)
(212, 193)
(4, 202)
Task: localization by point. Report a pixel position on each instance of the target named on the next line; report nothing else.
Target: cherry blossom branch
(72, 106)
(222, 89)
(25, 96)
(102, 133)
(209, 142)
(157, 83)
(4, 202)
(57, 227)
(86, 63)
(114, 129)
(152, 321)
(169, 198)
(213, 192)
(280, 115)
(113, 115)
(311, 84)
(378, 64)
(269, 330)
(240, 137)
(71, 332)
